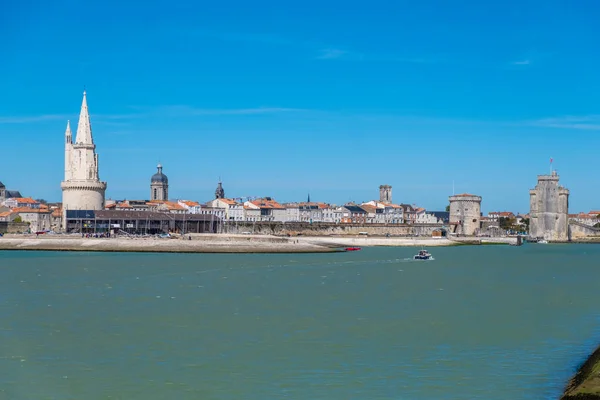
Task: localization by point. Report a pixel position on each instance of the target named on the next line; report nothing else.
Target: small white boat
(543, 241)
(423, 255)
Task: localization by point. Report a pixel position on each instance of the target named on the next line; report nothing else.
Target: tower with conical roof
(159, 185)
(82, 188)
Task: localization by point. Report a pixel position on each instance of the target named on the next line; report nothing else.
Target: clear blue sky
(332, 98)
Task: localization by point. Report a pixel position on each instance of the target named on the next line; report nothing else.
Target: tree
(18, 219)
(447, 208)
(507, 223)
(41, 201)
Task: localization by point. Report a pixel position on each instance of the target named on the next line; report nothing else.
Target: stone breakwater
(162, 245)
(585, 385)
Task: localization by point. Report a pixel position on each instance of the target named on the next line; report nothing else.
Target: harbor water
(478, 322)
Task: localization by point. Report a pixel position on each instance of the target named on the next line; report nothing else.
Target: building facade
(549, 209)
(465, 214)
(159, 185)
(82, 188)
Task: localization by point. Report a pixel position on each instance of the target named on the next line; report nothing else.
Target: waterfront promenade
(224, 243)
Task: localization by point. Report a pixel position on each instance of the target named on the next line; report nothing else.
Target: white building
(392, 213)
(82, 188)
(423, 217)
(38, 220)
(192, 207)
(292, 212)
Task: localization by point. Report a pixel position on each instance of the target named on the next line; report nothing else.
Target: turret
(68, 148)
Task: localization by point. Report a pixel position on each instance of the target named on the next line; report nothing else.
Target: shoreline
(585, 384)
(151, 245)
(228, 243)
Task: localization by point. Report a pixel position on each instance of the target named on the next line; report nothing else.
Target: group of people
(95, 235)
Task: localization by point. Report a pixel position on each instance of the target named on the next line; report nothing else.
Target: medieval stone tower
(549, 209)
(82, 188)
(465, 214)
(220, 192)
(159, 185)
(2, 192)
(385, 193)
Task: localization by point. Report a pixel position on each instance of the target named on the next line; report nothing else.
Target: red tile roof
(264, 203)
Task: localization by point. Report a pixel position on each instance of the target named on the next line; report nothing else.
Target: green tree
(18, 219)
(507, 223)
(447, 208)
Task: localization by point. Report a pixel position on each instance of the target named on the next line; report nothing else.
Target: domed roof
(159, 176)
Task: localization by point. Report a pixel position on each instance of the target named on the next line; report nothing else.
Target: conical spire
(68, 134)
(84, 128)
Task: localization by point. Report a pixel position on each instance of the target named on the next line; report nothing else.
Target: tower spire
(84, 128)
(68, 133)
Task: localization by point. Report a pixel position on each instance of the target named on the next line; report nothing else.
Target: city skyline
(284, 110)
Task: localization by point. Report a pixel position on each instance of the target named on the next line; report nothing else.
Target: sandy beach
(214, 243)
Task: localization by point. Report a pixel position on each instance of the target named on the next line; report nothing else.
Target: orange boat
(353, 248)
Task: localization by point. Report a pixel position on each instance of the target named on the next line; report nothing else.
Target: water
(496, 322)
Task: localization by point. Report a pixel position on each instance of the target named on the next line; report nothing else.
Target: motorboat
(423, 255)
(543, 241)
(353, 248)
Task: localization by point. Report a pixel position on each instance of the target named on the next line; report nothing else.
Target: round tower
(82, 188)
(465, 214)
(2, 192)
(159, 185)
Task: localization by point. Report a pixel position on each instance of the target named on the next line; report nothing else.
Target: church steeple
(84, 128)
(220, 192)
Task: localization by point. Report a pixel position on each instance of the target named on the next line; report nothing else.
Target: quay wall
(14, 227)
(577, 230)
(328, 229)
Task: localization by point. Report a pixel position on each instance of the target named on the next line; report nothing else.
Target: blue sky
(331, 98)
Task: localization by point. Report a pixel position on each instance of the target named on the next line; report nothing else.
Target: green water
(496, 322)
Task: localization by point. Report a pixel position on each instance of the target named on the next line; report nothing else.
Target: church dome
(159, 177)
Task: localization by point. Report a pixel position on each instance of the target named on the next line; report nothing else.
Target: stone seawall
(234, 245)
(327, 229)
(577, 230)
(585, 385)
(13, 227)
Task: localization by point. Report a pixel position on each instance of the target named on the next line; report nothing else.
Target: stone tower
(82, 188)
(2, 192)
(549, 209)
(465, 214)
(159, 185)
(220, 192)
(385, 193)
